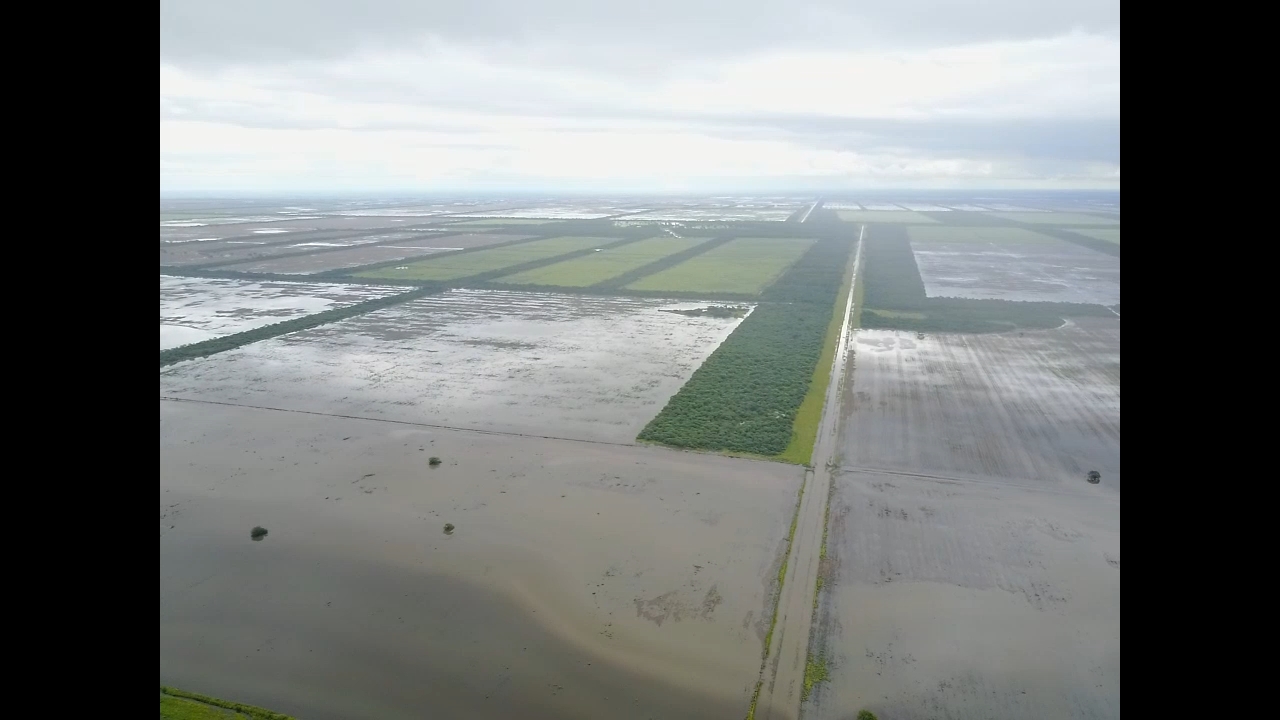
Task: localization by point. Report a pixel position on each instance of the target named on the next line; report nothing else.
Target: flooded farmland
(973, 571)
(580, 367)
(195, 309)
(580, 580)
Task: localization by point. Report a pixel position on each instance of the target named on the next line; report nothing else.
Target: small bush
(448, 528)
(258, 532)
(434, 461)
(866, 715)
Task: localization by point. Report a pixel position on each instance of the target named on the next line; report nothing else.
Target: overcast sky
(662, 95)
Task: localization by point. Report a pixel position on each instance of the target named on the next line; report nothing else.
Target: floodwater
(1037, 407)
(1054, 271)
(407, 245)
(580, 367)
(581, 580)
(973, 572)
(195, 309)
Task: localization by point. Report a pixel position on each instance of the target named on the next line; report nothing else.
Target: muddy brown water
(581, 580)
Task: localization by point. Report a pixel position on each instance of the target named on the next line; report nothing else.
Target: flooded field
(973, 572)
(1012, 264)
(579, 580)
(1039, 408)
(195, 309)
(590, 368)
(411, 245)
(970, 600)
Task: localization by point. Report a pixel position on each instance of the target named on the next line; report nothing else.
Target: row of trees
(745, 396)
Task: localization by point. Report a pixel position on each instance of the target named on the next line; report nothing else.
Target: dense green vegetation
(745, 396)
(895, 297)
(815, 671)
(178, 704)
(744, 265)
(1056, 218)
(230, 342)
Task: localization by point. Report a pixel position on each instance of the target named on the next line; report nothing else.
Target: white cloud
(452, 116)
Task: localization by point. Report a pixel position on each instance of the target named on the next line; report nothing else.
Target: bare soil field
(413, 245)
(592, 368)
(1012, 264)
(195, 309)
(1040, 408)
(579, 580)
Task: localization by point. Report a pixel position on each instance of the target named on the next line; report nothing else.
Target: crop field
(1012, 264)
(745, 266)
(746, 396)
(367, 255)
(577, 367)
(465, 264)
(972, 567)
(1057, 218)
(1107, 234)
(195, 309)
(885, 216)
(603, 265)
(765, 214)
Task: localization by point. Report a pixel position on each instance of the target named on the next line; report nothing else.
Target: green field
(1108, 234)
(504, 221)
(885, 216)
(182, 705)
(963, 234)
(603, 265)
(458, 265)
(745, 265)
(1056, 218)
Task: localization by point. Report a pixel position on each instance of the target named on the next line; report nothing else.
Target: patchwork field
(505, 221)
(195, 309)
(578, 581)
(744, 265)
(603, 265)
(416, 246)
(577, 367)
(1057, 218)
(896, 215)
(466, 264)
(1012, 264)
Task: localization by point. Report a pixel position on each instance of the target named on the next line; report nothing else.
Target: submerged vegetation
(745, 397)
(258, 532)
(815, 671)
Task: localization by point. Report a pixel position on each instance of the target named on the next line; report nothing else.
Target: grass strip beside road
(178, 704)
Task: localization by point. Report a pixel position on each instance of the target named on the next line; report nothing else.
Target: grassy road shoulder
(178, 704)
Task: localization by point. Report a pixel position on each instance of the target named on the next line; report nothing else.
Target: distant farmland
(453, 266)
(745, 265)
(603, 265)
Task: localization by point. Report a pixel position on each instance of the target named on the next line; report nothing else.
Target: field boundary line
(452, 428)
(861, 470)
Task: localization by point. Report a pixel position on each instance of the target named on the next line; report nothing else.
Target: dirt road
(783, 673)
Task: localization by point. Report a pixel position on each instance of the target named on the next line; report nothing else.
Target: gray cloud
(591, 33)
